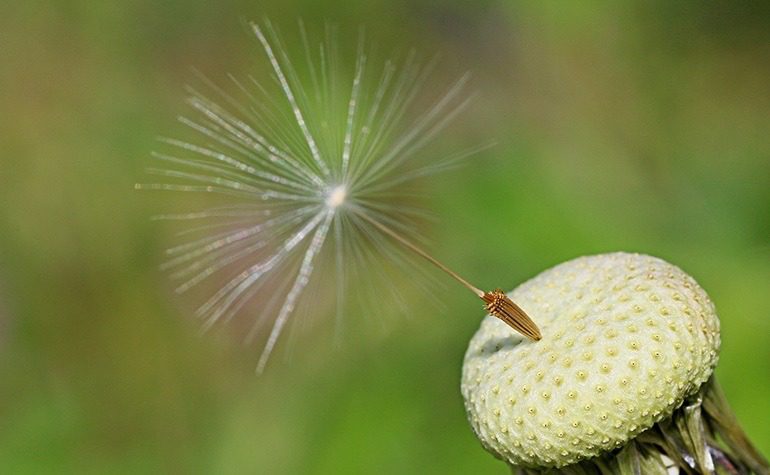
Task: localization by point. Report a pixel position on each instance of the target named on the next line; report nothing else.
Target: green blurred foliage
(639, 126)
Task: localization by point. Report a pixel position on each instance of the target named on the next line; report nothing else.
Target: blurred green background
(639, 126)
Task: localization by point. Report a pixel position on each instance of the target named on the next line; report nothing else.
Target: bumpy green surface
(626, 338)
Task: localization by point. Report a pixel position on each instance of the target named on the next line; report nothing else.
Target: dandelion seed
(300, 163)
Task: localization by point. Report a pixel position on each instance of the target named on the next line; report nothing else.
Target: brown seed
(499, 305)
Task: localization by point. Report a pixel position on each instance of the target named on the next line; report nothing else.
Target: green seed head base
(701, 437)
(626, 339)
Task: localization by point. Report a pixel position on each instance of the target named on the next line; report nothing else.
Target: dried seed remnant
(499, 305)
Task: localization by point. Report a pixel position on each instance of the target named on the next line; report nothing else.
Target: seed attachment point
(336, 196)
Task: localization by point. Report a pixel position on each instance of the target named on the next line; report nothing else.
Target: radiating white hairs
(303, 167)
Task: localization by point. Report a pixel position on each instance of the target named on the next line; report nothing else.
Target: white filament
(290, 163)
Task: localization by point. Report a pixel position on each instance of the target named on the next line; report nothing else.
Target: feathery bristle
(307, 174)
(499, 305)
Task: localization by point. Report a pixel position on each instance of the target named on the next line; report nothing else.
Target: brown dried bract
(499, 305)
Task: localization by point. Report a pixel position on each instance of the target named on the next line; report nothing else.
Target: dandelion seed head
(309, 164)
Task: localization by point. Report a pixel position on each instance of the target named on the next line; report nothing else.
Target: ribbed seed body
(626, 337)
